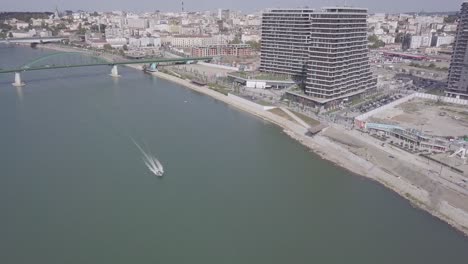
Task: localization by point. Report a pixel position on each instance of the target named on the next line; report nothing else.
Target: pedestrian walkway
(295, 117)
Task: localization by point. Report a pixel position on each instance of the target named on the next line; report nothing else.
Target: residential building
(250, 37)
(420, 41)
(145, 42)
(223, 14)
(137, 23)
(45, 33)
(285, 47)
(116, 42)
(338, 63)
(114, 32)
(440, 40)
(22, 25)
(327, 49)
(406, 42)
(387, 39)
(23, 34)
(238, 50)
(188, 41)
(458, 72)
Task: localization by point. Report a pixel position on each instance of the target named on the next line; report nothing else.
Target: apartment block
(327, 49)
(458, 72)
(285, 41)
(238, 50)
(338, 54)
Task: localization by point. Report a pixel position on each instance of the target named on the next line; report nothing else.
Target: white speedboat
(151, 162)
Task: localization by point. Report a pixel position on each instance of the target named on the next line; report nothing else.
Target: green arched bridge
(62, 60)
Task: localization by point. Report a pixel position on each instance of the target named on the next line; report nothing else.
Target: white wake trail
(150, 161)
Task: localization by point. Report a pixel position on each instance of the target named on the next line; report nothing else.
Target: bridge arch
(82, 58)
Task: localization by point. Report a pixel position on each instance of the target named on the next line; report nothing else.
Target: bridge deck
(110, 63)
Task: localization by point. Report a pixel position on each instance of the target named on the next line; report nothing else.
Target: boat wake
(150, 161)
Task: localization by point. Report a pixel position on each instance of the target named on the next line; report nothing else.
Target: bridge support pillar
(114, 71)
(18, 82)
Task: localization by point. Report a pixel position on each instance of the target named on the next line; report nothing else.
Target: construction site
(431, 127)
(434, 118)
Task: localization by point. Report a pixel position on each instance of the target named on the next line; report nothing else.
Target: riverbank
(344, 148)
(328, 149)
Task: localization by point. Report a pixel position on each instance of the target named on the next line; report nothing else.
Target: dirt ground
(433, 118)
(441, 185)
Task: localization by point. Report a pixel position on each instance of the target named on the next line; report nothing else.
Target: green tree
(103, 28)
(236, 40)
(373, 38)
(125, 47)
(10, 35)
(450, 19)
(81, 30)
(61, 26)
(95, 28)
(5, 27)
(107, 47)
(399, 37)
(254, 44)
(376, 42)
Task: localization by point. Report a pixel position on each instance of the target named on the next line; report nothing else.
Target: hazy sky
(244, 5)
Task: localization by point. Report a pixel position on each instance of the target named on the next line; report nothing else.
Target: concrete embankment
(236, 103)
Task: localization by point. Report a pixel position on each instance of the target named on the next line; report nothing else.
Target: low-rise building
(116, 42)
(137, 23)
(250, 37)
(441, 40)
(23, 34)
(420, 41)
(410, 139)
(97, 43)
(188, 41)
(22, 25)
(145, 42)
(238, 50)
(114, 32)
(45, 33)
(387, 39)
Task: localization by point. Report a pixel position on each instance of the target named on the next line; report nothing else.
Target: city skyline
(242, 5)
(228, 131)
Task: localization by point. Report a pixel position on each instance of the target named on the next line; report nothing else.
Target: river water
(74, 188)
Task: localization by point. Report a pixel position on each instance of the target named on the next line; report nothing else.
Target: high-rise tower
(327, 49)
(458, 72)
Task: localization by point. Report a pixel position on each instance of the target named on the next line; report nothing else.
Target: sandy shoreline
(332, 151)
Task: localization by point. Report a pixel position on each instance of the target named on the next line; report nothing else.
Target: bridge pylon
(18, 82)
(114, 72)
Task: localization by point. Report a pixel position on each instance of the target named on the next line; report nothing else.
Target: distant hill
(424, 13)
(24, 16)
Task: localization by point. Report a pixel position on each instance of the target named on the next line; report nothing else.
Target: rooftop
(262, 76)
